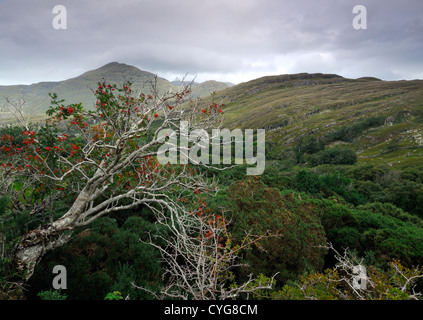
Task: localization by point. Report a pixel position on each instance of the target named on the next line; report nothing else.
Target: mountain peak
(78, 89)
(117, 72)
(116, 65)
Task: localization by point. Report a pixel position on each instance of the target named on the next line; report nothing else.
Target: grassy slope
(290, 106)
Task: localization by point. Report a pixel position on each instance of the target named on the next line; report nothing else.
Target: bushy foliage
(328, 185)
(348, 133)
(115, 295)
(11, 131)
(260, 209)
(370, 229)
(334, 155)
(52, 295)
(404, 189)
(382, 284)
(104, 258)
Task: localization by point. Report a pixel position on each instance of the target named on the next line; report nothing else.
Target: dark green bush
(336, 155)
(348, 133)
(328, 185)
(382, 229)
(104, 258)
(256, 208)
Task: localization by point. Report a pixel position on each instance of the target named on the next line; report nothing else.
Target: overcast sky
(225, 40)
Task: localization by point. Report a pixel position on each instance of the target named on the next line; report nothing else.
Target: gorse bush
(260, 209)
(370, 228)
(103, 258)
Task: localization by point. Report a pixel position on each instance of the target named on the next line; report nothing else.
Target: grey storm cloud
(227, 40)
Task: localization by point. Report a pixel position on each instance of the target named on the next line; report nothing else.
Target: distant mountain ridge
(79, 89)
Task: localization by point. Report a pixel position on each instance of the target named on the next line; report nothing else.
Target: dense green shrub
(382, 184)
(309, 145)
(336, 155)
(275, 177)
(52, 295)
(407, 195)
(104, 258)
(328, 185)
(348, 133)
(386, 231)
(260, 209)
(393, 211)
(308, 182)
(372, 191)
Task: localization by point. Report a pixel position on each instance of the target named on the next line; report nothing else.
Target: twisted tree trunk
(34, 244)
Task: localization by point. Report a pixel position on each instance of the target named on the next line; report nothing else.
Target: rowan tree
(103, 161)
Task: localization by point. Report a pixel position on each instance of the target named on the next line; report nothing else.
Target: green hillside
(382, 121)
